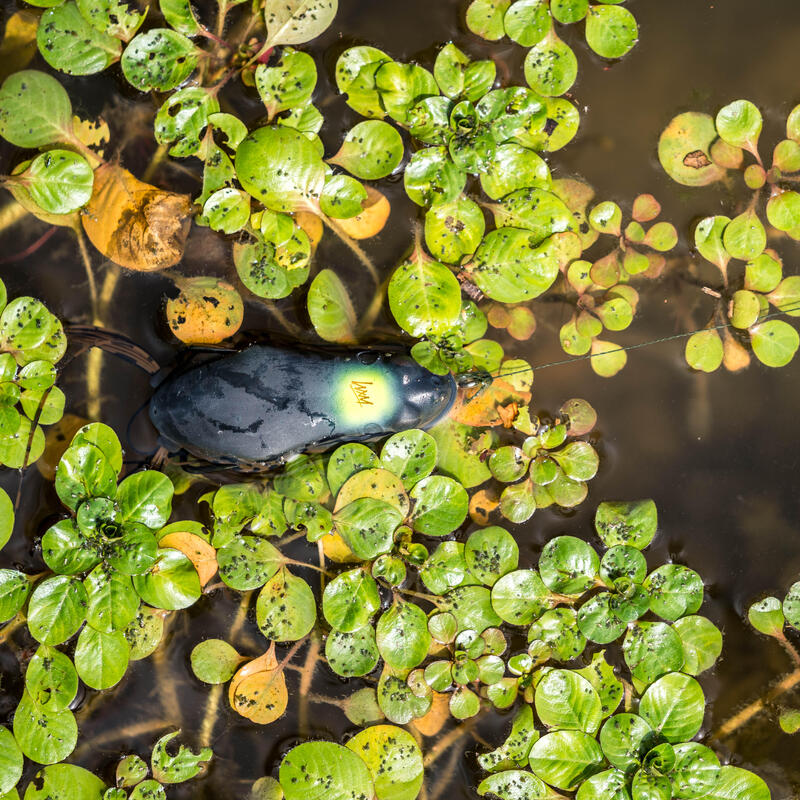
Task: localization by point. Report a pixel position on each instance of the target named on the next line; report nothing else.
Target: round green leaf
(214, 661)
(558, 630)
(704, 351)
(367, 525)
(485, 18)
(625, 738)
(520, 597)
(247, 562)
(739, 124)
(401, 86)
(608, 785)
(286, 609)
(431, 177)
(112, 601)
(394, 761)
(674, 705)
(411, 455)
(528, 21)
(371, 150)
(288, 84)
(774, 342)
(745, 237)
(171, 583)
(735, 783)
(59, 181)
(57, 609)
(342, 197)
(324, 771)
(35, 110)
(145, 632)
(350, 600)
(73, 45)
(44, 737)
(684, 150)
(551, 66)
(10, 761)
(626, 523)
(454, 230)
(159, 59)
(441, 505)
(402, 635)
(14, 590)
(514, 167)
(652, 649)
(566, 700)
(101, 658)
(565, 759)
(675, 591)
(331, 309)
(696, 770)
(767, 617)
(65, 782)
(611, 31)
(568, 565)
(514, 784)
(491, 553)
(353, 654)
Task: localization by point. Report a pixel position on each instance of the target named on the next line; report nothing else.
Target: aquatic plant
(32, 342)
(696, 150)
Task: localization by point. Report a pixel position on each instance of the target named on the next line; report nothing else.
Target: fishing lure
(255, 407)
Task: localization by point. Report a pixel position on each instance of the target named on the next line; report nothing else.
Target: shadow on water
(718, 453)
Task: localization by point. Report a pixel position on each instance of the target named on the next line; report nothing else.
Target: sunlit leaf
(565, 758)
(159, 59)
(206, 311)
(611, 31)
(683, 150)
(551, 66)
(297, 21)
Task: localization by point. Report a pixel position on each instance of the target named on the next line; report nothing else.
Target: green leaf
(431, 177)
(774, 342)
(113, 17)
(472, 608)
(424, 296)
(514, 167)
(147, 790)
(159, 59)
(786, 296)
(744, 308)
(411, 455)
(527, 22)
(611, 31)
(674, 705)
(625, 738)
(608, 785)
(297, 21)
(601, 675)
(652, 649)
(353, 654)
(350, 600)
(745, 237)
(684, 150)
(101, 658)
(135, 552)
(599, 620)
(71, 44)
(566, 700)
(511, 265)
(182, 766)
(324, 771)
(182, 119)
(558, 630)
(514, 784)
(520, 597)
(459, 448)
(7, 515)
(10, 761)
(565, 759)
(330, 308)
(394, 761)
(112, 602)
(367, 525)
(371, 150)
(514, 751)
(247, 562)
(35, 110)
(44, 737)
(288, 84)
(735, 783)
(286, 609)
(51, 679)
(227, 210)
(704, 351)
(342, 197)
(454, 230)
(146, 498)
(701, 641)
(58, 181)
(441, 505)
(402, 86)
(491, 553)
(402, 635)
(675, 591)
(179, 15)
(551, 66)
(355, 77)
(65, 782)
(56, 610)
(214, 661)
(767, 617)
(145, 632)
(791, 605)
(102, 437)
(281, 168)
(783, 210)
(346, 461)
(739, 124)
(29, 332)
(485, 18)
(171, 583)
(568, 565)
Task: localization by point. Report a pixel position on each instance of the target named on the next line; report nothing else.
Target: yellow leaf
(258, 690)
(134, 224)
(482, 504)
(19, 42)
(371, 220)
(311, 224)
(337, 550)
(197, 550)
(206, 311)
(95, 134)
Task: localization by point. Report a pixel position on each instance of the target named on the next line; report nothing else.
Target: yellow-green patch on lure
(257, 406)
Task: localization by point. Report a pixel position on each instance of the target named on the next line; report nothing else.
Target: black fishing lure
(254, 407)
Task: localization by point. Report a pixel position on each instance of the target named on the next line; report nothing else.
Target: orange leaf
(206, 311)
(311, 224)
(371, 220)
(258, 690)
(135, 224)
(481, 505)
(197, 550)
(483, 407)
(431, 723)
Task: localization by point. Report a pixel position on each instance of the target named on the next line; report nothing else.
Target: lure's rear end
(264, 403)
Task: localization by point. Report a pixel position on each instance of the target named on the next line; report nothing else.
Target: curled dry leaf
(134, 224)
(197, 550)
(482, 504)
(206, 311)
(258, 690)
(371, 220)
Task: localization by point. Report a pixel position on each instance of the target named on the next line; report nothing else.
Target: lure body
(257, 406)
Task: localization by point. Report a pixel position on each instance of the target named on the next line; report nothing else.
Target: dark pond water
(719, 453)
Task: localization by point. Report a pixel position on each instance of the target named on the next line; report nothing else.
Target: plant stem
(306, 679)
(165, 684)
(13, 625)
(353, 245)
(306, 564)
(94, 358)
(789, 648)
(448, 740)
(786, 684)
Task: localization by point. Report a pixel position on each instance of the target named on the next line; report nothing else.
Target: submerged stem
(306, 679)
(730, 726)
(353, 245)
(448, 740)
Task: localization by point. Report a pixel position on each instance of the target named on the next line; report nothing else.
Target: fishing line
(624, 348)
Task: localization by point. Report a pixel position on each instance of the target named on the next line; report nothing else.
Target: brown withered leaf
(197, 550)
(697, 159)
(493, 405)
(258, 690)
(135, 224)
